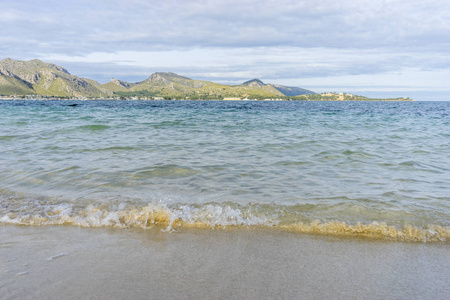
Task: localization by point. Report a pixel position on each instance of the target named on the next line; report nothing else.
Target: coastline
(226, 100)
(51, 262)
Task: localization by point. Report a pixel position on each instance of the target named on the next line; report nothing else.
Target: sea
(376, 170)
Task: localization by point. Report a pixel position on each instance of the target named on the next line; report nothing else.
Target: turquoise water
(218, 163)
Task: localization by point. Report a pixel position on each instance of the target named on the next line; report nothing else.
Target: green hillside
(14, 86)
(173, 86)
(44, 79)
(36, 77)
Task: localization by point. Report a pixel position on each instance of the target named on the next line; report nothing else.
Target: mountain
(165, 78)
(285, 90)
(116, 85)
(38, 77)
(292, 91)
(255, 83)
(170, 80)
(174, 86)
(121, 83)
(12, 85)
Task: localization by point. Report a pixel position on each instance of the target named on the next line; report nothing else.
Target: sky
(376, 48)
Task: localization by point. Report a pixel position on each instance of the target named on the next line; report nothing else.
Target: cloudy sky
(369, 47)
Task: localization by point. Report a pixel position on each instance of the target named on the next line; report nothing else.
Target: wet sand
(62, 262)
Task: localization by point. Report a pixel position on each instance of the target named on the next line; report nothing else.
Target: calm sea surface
(363, 168)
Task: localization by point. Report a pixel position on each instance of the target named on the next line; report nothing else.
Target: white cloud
(9, 16)
(148, 24)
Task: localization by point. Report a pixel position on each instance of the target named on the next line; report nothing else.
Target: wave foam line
(409, 233)
(189, 216)
(216, 216)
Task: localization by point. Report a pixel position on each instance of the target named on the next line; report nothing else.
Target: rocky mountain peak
(7, 60)
(158, 77)
(166, 78)
(255, 83)
(36, 76)
(19, 68)
(120, 83)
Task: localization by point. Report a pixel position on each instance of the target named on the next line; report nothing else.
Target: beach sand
(64, 262)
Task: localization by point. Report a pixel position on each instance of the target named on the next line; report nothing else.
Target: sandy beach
(61, 262)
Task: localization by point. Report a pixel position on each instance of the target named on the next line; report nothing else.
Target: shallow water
(378, 169)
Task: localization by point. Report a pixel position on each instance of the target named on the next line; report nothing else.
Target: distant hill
(292, 91)
(174, 86)
(41, 78)
(37, 77)
(116, 85)
(255, 83)
(285, 90)
(12, 85)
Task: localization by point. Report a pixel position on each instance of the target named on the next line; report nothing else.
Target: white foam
(215, 215)
(58, 256)
(22, 273)
(210, 215)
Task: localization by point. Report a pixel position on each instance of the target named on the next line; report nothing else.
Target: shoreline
(51, 262)
(242, 100)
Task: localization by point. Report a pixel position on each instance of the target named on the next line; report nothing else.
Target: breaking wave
(213, 215)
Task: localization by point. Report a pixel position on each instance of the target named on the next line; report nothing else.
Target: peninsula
(36, 79)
